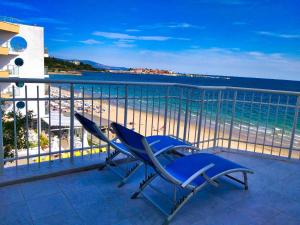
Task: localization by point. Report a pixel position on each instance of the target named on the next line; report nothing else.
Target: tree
(44, 142)
(9, 134)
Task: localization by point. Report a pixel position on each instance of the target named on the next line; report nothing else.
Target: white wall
(33, 57)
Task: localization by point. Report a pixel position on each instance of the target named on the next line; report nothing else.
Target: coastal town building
(76, 62)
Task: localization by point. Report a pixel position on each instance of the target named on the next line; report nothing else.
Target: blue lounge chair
(190, 173)
(160, 144)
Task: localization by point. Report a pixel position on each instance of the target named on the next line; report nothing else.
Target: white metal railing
(39, 125)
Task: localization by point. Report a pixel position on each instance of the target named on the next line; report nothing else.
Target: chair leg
(179, 204)
(129, 173)
(109, 159)
(245, 181)
(144, 184)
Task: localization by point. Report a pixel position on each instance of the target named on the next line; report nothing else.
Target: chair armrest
(154, 142)
(195, 175)
(170, 147)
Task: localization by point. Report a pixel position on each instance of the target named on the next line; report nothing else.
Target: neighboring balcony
(259, 129)
(4, 50)
(4, 73)
(9, 27)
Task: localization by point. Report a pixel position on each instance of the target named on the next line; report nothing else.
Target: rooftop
(92, 198)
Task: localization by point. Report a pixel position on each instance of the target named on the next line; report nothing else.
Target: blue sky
(227, 37)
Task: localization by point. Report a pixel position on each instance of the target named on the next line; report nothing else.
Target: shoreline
(152, 123)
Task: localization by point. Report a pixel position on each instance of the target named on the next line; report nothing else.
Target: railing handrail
(97, 82)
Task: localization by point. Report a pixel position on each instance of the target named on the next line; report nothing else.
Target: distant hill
(101, 66)
(58, 65)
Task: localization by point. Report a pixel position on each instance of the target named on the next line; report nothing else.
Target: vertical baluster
(133, 109)
(210, 117)
(100, 113)
(27, 125)
(179, 114)
(92, 118)
(126, 105)
(217, 118)
(147, 103)
(284, 123)
(205, 116)
(82, 129)
(200, 118)
(15, 127)
(38, 123)
(108, 119)
(197, 120)
(166, 110)
(140, 113)
(275, 124)
(117, 105)
(225, 117)
(232, 119)
(152, 114)
(59, 121)
(72, 123)
(49, 125)
(187, 100)
(190, 116)
(170, 114)
(1, 139)
(158, 113)
(241, 122)
(267, 122)
(250, 119)
(257, 124)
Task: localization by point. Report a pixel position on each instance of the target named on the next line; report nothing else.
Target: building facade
(22, 56)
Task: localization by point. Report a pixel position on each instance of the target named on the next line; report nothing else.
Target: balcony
(256, 128)
(9, 27)
(4, 73)
(4, 51)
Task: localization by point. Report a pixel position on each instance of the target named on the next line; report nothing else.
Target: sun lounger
(190, 173)
(160, 145)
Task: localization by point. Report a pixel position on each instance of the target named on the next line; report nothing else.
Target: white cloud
(132, 30)
(184, 25)
(124, 43)
(171, 26)
(279, 35)
(19, 5)
(111, 35)
(91, 42)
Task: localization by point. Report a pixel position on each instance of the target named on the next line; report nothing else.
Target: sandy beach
(152, 123)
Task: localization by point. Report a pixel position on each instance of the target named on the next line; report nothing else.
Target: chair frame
(111, 156)
(186, 185)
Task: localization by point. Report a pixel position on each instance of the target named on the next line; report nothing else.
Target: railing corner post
(294, 126)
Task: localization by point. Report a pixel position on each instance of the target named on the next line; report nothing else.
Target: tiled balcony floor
(93, 198)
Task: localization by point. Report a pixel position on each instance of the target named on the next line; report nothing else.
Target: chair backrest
(91, 127)
(132, 140)
(139, 146)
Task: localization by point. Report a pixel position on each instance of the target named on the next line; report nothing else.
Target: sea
(279, 117)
